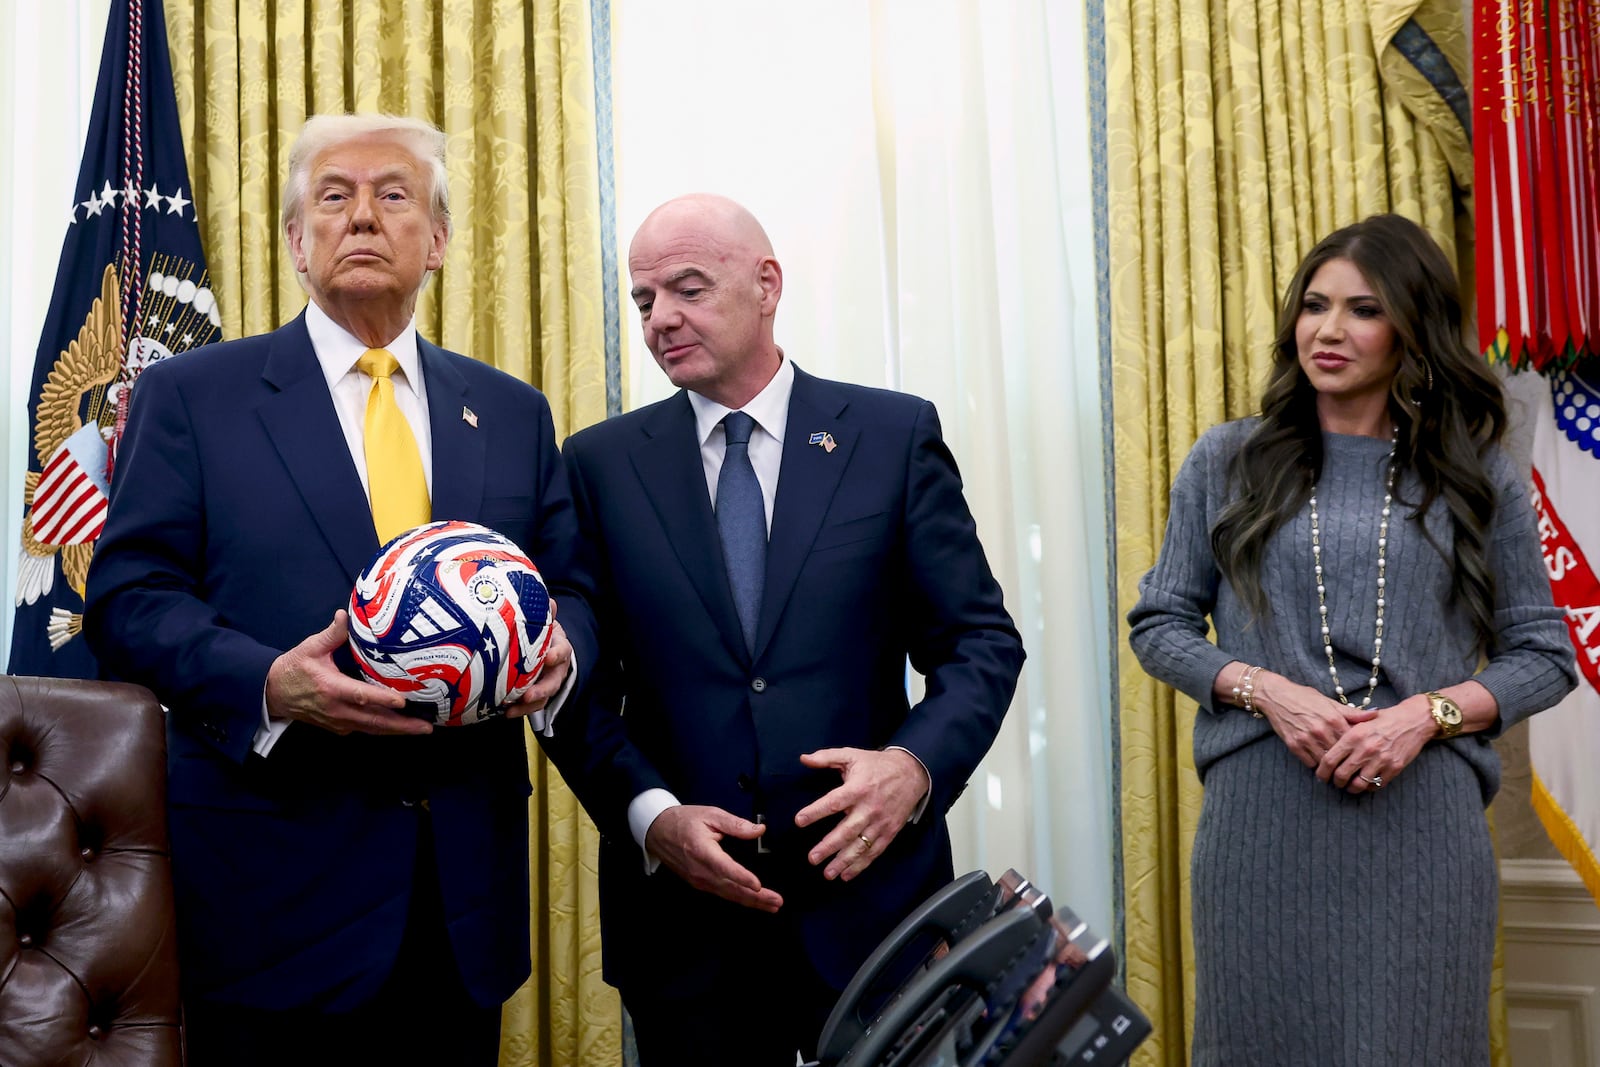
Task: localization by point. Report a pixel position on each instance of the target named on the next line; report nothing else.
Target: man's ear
(769, 278)
(297, 251)
(441, 240)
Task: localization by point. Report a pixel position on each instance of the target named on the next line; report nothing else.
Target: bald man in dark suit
(770, 549)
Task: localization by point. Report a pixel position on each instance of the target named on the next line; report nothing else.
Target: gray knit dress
(1335, 930)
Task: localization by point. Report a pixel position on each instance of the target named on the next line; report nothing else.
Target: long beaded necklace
(1322, 603)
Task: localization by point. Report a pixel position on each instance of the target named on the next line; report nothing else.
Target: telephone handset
(988, 974)
(944, 1007)
(922, 937)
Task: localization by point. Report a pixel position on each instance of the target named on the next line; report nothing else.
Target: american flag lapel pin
(825, 439)
(469, 417)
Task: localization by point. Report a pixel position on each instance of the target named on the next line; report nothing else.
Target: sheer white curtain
(923, 169)
(49, 58)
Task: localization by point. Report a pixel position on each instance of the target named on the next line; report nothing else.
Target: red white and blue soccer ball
(453, 615)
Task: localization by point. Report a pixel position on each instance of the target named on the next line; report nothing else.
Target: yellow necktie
(395, 483)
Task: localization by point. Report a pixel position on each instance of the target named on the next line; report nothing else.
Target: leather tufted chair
(88, 941)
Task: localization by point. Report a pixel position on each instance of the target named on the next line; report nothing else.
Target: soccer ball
(451, 615)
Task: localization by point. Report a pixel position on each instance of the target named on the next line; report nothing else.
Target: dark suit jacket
(236, 528)
(873, 557)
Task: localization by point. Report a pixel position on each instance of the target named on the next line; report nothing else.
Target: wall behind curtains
(512, 85)
(922, 168)
(1238, 135)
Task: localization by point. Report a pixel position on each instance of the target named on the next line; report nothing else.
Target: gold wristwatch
(1446, 713)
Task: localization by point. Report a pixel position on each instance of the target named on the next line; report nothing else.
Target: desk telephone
(985, 974)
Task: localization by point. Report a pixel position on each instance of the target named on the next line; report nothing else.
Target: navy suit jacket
(236, 528)
(873, 558)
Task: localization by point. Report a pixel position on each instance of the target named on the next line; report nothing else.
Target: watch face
(1446, 712)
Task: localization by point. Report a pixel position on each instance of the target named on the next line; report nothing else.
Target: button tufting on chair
(88, 943)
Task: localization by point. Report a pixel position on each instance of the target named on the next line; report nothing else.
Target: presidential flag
(131, 288)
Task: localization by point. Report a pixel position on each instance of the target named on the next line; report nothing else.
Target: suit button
(746, 783)
(759, 685)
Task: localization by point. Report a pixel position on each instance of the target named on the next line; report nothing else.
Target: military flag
(1537, 160)
(1564, 742)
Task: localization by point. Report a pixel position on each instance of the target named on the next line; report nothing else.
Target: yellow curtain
(1238, 134)
(511, 84)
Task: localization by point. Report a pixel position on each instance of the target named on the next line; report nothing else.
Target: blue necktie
(742, 522)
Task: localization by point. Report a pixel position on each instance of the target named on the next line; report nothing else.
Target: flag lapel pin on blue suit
(469, 417)
(825, 439)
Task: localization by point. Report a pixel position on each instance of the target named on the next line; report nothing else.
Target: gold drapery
(511, 84)
(1238, 135)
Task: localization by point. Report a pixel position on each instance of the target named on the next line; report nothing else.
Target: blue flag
(131, 289)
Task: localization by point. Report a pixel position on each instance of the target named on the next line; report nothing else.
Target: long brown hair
(1447, 408)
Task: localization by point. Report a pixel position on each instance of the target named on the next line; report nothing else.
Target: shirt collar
(770, 407)
(338, 349)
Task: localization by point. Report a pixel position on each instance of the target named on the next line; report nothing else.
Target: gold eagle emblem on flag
(65, 500)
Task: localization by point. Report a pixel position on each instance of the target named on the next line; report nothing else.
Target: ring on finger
(1376, 781)
(865, 840)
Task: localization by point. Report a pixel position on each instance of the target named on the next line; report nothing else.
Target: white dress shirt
(770, 410)
(337, 352)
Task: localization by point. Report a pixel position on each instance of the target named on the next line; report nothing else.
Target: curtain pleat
(511, 85)
(1238, 134)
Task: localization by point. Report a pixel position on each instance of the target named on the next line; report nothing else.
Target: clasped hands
(879, 791)
(305, 685)
(1356, 749)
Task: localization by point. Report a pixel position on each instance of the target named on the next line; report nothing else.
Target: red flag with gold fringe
(1538, 180)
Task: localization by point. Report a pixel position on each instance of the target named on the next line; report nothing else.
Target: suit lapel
(460, 446)
(300, 420)
(807, 479)
(669, 468)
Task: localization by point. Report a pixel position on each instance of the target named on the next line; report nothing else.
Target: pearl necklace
(1322, 603)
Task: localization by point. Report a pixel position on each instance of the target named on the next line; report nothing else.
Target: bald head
(714, 219)
(707, 288)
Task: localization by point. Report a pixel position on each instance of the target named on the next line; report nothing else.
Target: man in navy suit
(771, 804)
(352, 885)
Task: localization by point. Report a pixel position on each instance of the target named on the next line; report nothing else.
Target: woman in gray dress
(1368, 556)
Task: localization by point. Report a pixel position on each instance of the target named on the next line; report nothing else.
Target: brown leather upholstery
(88, 942)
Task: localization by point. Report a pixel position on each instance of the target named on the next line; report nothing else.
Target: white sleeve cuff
(543, 721)
(642, 812)
(922, 805)
(269, 731)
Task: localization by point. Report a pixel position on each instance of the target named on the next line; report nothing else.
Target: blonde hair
(322, 132)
